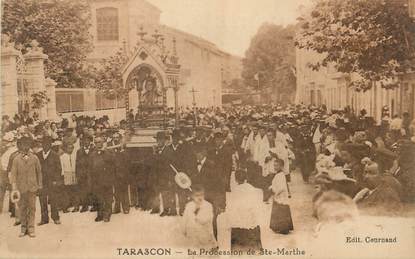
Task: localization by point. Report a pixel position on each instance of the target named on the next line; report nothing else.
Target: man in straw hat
(26, 179)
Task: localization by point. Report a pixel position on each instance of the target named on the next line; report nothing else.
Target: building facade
(204, 67)
(329, 87)
(121, 24)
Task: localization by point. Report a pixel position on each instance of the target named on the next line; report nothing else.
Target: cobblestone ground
(79, 235)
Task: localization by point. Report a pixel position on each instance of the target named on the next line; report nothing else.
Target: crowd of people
(82, 164)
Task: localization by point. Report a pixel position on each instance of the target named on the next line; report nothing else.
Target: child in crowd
(198, 220)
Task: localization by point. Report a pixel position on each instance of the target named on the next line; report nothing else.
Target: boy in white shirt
(198, 220)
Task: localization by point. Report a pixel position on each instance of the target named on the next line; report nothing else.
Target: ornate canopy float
(150, 72)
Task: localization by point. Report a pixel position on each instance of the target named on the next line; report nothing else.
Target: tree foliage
(108, 75)
(62, 29)
(39, 99)
(373, 38)
(237, 85)
(270, 49)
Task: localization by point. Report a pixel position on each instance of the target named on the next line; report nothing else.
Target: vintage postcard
(207, 129)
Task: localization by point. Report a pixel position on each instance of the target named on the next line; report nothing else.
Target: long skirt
(281, 221)
(243, 239)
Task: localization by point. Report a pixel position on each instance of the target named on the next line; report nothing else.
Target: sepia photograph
(190, 129)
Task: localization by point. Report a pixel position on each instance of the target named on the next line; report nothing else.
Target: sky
(230, 24)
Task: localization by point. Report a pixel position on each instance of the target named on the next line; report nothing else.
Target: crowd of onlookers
(85, 166)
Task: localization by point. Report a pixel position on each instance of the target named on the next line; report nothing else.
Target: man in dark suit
(307, 152)
(52, 182)
(122, 172)
(221, 155)
(83, 172)
(156, 172)
(203, 171)
(200, 138)
(171, 155)
(185, 155)
(103, 176)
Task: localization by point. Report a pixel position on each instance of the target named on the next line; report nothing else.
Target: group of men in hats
(96, 173)
(205, 159)
(93, 171)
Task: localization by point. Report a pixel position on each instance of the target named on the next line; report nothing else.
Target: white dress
(250, 145)
(283, 153)
(243, 210)
(243, 205)
(198, 227)
(68, 162)
(262, 149)
(280, 189)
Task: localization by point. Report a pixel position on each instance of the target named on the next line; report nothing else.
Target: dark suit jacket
(168, 157)
(51, 169)
(103, 169)
(83, 167)
(211, 179)
(222, 158)
(122, 165)
(155, 170)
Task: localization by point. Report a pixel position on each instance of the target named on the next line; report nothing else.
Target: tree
(237, 85)
(62, 29)
(39, 99)
(373, 38)
(271, 48)
(108, 75)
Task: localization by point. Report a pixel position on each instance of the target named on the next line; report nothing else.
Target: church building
(204, 68)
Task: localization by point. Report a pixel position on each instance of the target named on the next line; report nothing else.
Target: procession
(200, 129)
(83, 166)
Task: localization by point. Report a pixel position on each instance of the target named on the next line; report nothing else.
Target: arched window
(107, 23)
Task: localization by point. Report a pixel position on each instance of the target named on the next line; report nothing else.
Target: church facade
(204, 68)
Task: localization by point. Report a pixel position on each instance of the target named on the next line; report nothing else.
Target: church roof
(199, 41)
(150, 5)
